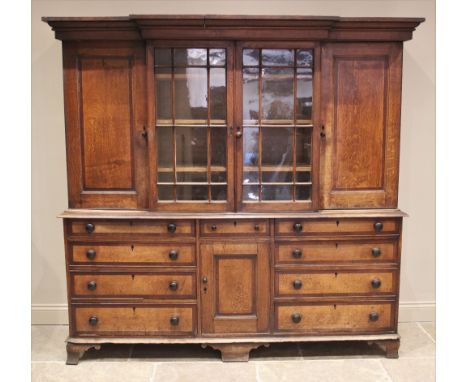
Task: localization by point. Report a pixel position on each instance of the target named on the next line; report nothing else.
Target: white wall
(417, 168)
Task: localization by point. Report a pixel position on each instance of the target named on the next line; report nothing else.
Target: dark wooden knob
(296, 318)
(93, 320)
(174, 320)
(173, 285)
(376, 252)
(373, 316)
(213, 227)
(173, 255)
(91, 254)
(378, 226)
(297, 227)
(92, 285)
(256, 227)
(171, 227)
(297, 284)
(89, 227)
(376, 283)
(297, 253)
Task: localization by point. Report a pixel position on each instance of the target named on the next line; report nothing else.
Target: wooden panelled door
(361, 87)
(235, 287)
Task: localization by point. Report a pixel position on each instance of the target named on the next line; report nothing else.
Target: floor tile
(48, 342)
(277, 351)
(410, 370)
(430, 328)
(205, 371)
(323, 371)
(173, 353)
(343, 349)
(91, 372)
(414, 342)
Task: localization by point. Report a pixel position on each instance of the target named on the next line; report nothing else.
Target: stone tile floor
(281, 362)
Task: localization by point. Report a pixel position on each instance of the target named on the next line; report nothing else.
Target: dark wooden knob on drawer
(376, 252)
(296, 318)
(256, 227)
(376, 283)
(373, 316)
(297, 284)
(174, 320)
(297, 253)
(378, 226)
(93, 320)
(213, 227)
(173, 285)
(171, 227)
(91, 285)
(297, 227)
(173, 254)
(89, 227)
(91, 254)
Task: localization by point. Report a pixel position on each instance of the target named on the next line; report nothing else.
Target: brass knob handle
(213, 227)
(93, 320)
(373, 316)
(173, 255)
(91, 254)
(297, 227)
(171, 227)
(205, 280)
(296, 318)
(297, 284)
(92, 285)
(376, 283)
(174, 320)
(378, 226)
(297, 253)
(173, 285)
(89, 227)
(376, 252)
(256, 227)
(238, 132)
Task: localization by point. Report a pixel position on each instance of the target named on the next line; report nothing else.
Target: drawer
(339, 317)
(336, 251)
(134, 320)
(335, 282)
(234, 227)
(171, 228)
(173, 285)
(164, 254)
(341, 226)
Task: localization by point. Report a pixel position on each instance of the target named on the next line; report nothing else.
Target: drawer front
(339, 317)
(234, 227)
(341, 226)
(174, 285)
(165, 254)
(135, 320)
(171, 228)
(333, 283)
(336, 251)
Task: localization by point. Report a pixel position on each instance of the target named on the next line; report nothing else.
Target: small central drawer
(234, 227)
(170, 228)
(334, 282)
(174, 285)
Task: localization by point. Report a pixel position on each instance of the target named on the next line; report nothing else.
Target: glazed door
(190, 111)
(235, 288)
(361, 90)
(276, 157)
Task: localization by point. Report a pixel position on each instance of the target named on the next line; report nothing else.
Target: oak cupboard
(232, 180)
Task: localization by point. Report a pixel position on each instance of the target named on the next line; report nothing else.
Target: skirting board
(57, 314)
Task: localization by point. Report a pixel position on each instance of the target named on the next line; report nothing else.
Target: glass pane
(191, 177)
(276, 176)
(250, 57)
(304, 95)
(303, 146)
(192, 192)
(217, 57)
(302, 192)
(277, 192)
(250, 193)
(250, 95)
(191, 95)
(303, 176)
(218, 193)
(277, 146)
(165, 193)
(250, 145)
(277, 57)
(250, 177)
(218, 146)
(164, 95)
(277, 95)
(304, 57)
(162, 57)
(191, 148)
(218, 176)
(165, 154)
(188, 57)
(218, 95)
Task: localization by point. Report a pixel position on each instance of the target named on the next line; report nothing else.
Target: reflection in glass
(217, 57)
(250, 57)
(191, 95)
(191, 146)
(218, 95)
(218, 193)
(304, 57)
(218, 176)
(250, 145)
(304, 95)
(162, 57)
(276, 192)
(250, 193)
(250, 177)
(195, 192)
(277, 175)
(250, 94)
(303, 146)
(218, 146)
(277, 94)
(165, 154)
(189, 57)
(164, 95)
(277, 57)
(191, 176)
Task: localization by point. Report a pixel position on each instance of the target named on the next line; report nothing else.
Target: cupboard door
(361, 91)
(104, 87)
(235, 288)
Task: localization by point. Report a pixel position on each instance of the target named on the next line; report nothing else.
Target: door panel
(361, 86)
(235, 287)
